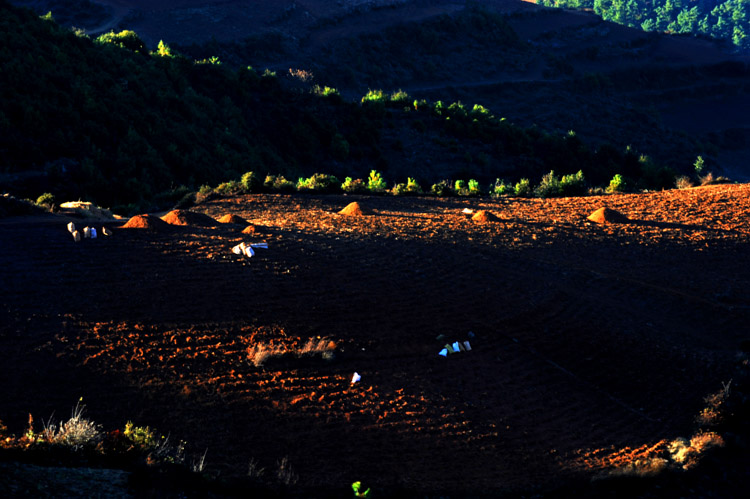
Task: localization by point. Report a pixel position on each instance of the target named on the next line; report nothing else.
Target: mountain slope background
(548, 72)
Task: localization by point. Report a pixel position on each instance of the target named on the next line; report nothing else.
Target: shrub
(228, 188)
(375, 183)
(399, 190)
(279, 184)
(550, 186)
(444, 188)
(77, 432)
(143, 438)
(463, 188)
(47, 200)
(374, 96)
(500, 188)
(683, 182)
(319, 182)
(354, 186)
(522, 188)
(473, 187)
(699, 165)
(573, 184)
(126, 39)
(617, 184)
(399, 98)
(250, 182)
(326, 92)
(411, 187)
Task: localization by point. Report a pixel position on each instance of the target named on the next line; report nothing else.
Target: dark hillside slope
(125, 128)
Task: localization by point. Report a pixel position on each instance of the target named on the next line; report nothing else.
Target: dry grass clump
(712, 414)
(260, 353)
(285, 474)
(77, 432)
(642, 467)
(687, 453)
(683, 182)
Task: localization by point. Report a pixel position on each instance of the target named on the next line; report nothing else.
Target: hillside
(551, 71)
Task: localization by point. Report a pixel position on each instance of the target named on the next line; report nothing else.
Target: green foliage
(375, 183)
(550, 186)
(699, 165)
(411, 187)
(354, 186)
(327, 92)
(229, 188)
(319, 182)
(444, 188)
(724, 19)
(375, 96)
(250, 182)
(163, 50)
(463, 188)
(358, 492)
(573, 185)
(142, 437)
(500, 188)
(47, 200)
(126, 39)
(278, 183)
(617, 184)
(522, 188)
(399, 98)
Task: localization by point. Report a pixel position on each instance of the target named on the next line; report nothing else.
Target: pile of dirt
(146, 222)
(231, 218)
(484, 216)
(253, 229)
(353, 209)
(186, 217)
(608, 216)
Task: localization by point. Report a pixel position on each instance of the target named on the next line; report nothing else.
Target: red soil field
(590, 342)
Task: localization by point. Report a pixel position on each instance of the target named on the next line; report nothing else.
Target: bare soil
(590, 342)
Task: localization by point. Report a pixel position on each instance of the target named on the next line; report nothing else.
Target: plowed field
(586, 339)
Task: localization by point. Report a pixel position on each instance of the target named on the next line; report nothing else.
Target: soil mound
(484, 216)
(253, 229)
(608, 216)
(231, 218)
(185, 217)
(353, 209)
(146, 222)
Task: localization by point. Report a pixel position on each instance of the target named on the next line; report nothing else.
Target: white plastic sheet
(356, 378)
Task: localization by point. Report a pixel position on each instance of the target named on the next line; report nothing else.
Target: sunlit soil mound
(484, 216)
(185, 217)
(231, 218)
(146, 222)
(353, 209)
(608, 216)
(253, 229)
